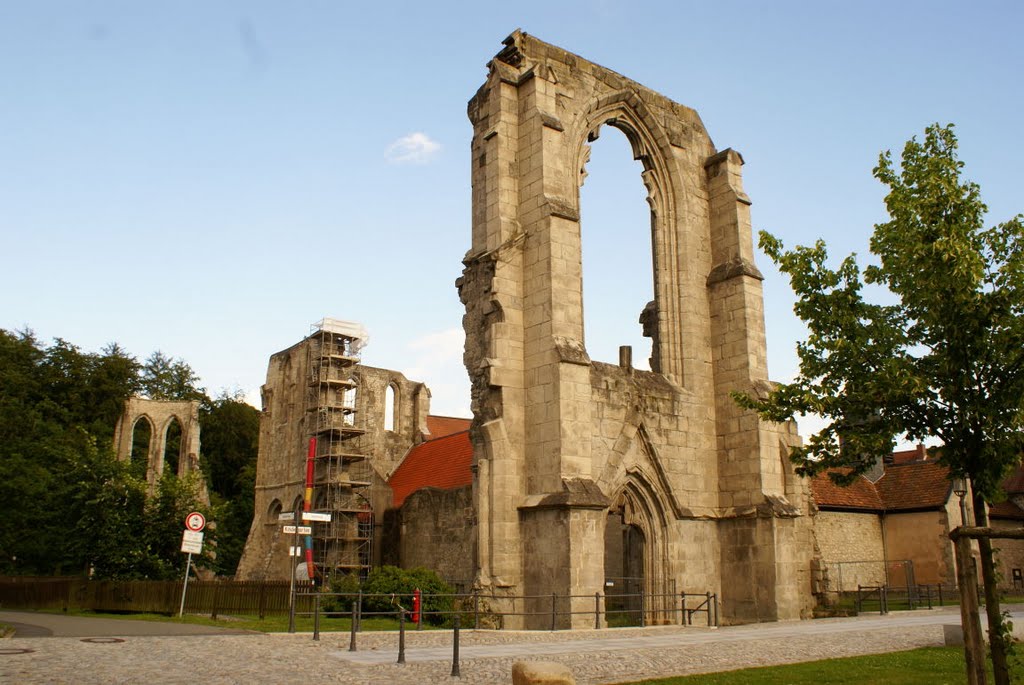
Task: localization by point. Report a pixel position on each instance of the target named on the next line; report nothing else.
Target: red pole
(416, 606)
(307, 503)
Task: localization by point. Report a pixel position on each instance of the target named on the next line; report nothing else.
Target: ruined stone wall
(434, 530)
(285, 430)
(160, 415)
(560, 440)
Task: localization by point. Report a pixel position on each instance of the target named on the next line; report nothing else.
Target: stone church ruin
(581, 470)
(578, 461)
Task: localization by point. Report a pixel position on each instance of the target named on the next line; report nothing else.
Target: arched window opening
(348, 402)
(616, 237)
(297, 508)
(142, 438)
(274, 512)
(172, 448)
(390, 409)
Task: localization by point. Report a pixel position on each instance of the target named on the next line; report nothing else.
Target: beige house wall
(1009, 556)
(922, 537)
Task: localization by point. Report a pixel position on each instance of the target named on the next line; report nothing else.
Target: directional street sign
(301, 530)
(286, 516)
(314, 516)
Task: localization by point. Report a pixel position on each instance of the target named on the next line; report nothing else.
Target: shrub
(393, 586)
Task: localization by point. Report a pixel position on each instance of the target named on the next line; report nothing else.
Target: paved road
(32, 624)
(607, 656)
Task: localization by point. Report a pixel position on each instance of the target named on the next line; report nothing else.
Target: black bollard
(352, 630)
(455, 650)
(401, 636)
(316, 617)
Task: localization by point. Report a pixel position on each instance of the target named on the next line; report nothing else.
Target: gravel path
(607, 656)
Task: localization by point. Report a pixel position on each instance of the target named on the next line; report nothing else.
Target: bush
(393, 586)
(345, 584)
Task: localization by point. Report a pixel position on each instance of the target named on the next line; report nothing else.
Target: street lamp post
(960, 490)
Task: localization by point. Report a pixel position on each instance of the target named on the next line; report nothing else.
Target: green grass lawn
(927, 666)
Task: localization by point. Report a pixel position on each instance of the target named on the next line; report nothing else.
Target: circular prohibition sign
(195, 521)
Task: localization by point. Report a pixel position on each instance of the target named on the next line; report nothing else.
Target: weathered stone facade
(434, 529)
(561, 441)
(160, 415)
(286, 425)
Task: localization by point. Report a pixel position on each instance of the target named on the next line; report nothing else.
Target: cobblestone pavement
(607, 656)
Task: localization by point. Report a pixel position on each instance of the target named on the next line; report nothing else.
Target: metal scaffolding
(341, 471)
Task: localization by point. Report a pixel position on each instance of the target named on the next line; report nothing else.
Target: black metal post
(643, 614)
(401, 636)
(455, 649)
(709, 609)
(552, 611)
(316, 617)
(359, 613)
(682, 609)
(476, 611)
(352, 629)
(597, 611)
(291, 613)
(940, 594)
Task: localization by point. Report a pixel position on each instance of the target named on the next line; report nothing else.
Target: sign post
(191, 542)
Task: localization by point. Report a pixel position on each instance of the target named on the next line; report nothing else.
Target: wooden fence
(253, 598)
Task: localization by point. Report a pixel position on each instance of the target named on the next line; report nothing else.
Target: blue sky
(208, 179)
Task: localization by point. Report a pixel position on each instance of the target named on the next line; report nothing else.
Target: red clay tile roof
(443, 463)
(905, 486)
(914, 485)
(1014, 483)
(861, 494)
(440, 426)
(1006, 511)
(903, 456)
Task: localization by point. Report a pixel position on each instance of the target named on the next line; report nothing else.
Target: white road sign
(314, 516)
(192, 546)
(295, 551)
(289, 530)
(286, 516)
(301, 530)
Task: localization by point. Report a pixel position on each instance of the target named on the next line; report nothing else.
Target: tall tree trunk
(996, 635)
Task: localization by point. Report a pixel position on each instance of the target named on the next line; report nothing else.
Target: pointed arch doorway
(639, 585)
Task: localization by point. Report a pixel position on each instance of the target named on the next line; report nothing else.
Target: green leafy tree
(940, 356)
(230, 443)
(164, 517)
(166, 378)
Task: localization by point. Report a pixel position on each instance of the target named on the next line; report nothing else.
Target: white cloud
(436, 360)
(415, 148)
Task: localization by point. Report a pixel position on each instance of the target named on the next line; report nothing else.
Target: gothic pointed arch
(651, 144)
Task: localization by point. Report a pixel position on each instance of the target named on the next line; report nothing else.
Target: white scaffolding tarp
(351, 329)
